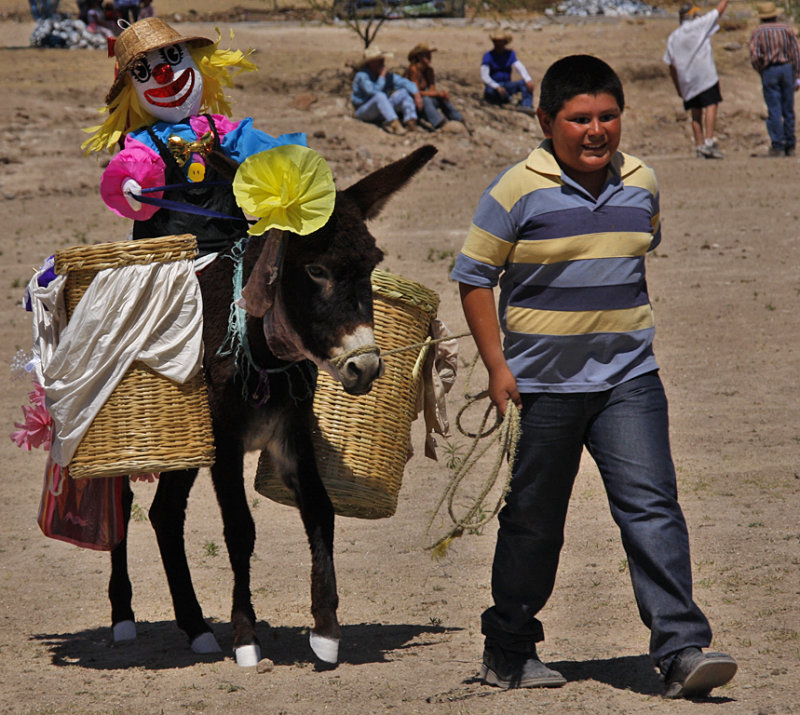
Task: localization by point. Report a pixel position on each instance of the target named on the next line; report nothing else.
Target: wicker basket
(361, 443)
(149, 423)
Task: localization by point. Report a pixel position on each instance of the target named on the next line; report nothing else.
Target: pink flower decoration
(35, 431)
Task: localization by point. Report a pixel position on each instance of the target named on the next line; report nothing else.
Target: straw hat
(766, 10)
(144, 36)
(500, 36)
(688, 10)
(375, 53)
(420, 49)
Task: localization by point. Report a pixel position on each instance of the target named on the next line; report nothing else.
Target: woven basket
(361, 443)
(149, 423)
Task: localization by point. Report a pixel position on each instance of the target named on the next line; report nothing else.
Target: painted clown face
(168, 83)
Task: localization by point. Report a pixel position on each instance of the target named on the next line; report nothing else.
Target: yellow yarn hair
(125, 113)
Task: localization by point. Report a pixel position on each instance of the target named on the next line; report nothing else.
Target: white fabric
(689, 51)
(151, 313)
(486, 76)
(438, 376)
(49, 317)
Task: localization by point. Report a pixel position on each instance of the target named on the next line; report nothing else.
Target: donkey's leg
(316, 512)
(240, 537)
(123, 624)
(167, 515)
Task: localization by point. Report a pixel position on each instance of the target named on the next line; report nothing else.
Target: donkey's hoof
(247, 655)
(124, 631)
(206, 643)
(326, 649)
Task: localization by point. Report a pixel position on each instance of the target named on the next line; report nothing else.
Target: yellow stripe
(482, 246)
(584, 322)
(520, 181)
(583, 247)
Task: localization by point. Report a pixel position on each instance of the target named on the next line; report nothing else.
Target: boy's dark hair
(574, 75)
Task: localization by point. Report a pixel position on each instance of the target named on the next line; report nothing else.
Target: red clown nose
(163, 74)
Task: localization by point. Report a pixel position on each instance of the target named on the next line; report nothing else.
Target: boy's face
(585, 134)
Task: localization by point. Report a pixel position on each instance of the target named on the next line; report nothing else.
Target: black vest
(213, 234)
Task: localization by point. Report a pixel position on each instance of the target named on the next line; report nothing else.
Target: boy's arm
(481, 314)
(721, 7)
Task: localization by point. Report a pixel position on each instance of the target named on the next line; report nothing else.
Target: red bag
(83, 512)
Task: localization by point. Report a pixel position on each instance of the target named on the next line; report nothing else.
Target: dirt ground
(727, 297)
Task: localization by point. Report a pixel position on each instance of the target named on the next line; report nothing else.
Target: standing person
(692, 68)
(775, 56)
(564, 234)
(127, 9)
(436, 106)
(496, 69)
(384, 97)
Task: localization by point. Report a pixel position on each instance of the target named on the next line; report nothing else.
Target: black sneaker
(693, 673)
(508, 669)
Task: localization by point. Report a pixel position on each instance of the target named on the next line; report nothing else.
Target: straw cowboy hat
(688, 10)
(420, 49)
(142, 37)
(500, 36)
(766, 10)
(375, 53)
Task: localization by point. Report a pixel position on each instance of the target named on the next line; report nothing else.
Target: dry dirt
(727, 296)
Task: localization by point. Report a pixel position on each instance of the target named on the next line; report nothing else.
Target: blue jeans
(626, 431)
(494, 97)
(777, 83)
(437, 111)
(380, 108)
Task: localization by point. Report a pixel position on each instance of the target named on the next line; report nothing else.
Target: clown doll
(174, 173)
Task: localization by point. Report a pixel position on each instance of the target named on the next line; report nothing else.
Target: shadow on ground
(160, 645)
(632, 673)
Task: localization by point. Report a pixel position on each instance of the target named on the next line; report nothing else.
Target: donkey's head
(325, 287)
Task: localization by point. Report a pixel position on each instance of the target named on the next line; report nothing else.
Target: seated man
(496, 70)
(383, 97)
(436, 107)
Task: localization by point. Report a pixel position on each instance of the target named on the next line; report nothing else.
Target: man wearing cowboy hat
(774, 54)
(496, 68)
(691, 66)
(436, 106)
(383, 97)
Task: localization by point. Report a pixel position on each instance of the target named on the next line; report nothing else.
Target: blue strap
(180, 205)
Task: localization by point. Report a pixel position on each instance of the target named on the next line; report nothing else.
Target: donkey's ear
(373, 191)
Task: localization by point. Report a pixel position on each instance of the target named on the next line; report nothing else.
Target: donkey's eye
(317, 273)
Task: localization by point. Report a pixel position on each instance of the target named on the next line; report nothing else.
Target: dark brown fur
(322, 312)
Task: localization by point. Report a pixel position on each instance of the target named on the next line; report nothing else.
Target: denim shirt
(365, 87)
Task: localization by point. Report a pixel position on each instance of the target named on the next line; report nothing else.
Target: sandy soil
(726, 292)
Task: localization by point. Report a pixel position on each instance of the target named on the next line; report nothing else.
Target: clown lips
(173, 94)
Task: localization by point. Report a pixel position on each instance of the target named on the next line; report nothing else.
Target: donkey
(264, 402)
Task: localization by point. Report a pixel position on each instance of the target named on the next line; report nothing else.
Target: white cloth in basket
(152, 313)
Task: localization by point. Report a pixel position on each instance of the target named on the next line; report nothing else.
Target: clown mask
(168, 83)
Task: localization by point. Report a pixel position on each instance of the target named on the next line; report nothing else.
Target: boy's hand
(502, 388)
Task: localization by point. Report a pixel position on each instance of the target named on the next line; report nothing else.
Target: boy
(564, 233)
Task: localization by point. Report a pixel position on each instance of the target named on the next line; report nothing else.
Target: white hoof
(326, 649)
(247, 655)
(124, 631)
(206, 643)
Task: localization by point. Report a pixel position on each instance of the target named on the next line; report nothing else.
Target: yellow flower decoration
(288, 187)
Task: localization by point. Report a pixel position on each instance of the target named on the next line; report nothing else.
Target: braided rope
(505, 434)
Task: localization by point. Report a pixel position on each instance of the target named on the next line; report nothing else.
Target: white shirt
(689, 51)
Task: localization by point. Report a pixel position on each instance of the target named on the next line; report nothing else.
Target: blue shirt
(365, 87)
(573, 305)
(500, 64)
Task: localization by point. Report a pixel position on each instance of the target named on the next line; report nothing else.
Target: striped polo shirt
(573, 302)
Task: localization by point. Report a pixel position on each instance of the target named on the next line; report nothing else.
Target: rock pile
(611, 8)
(62, 31)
